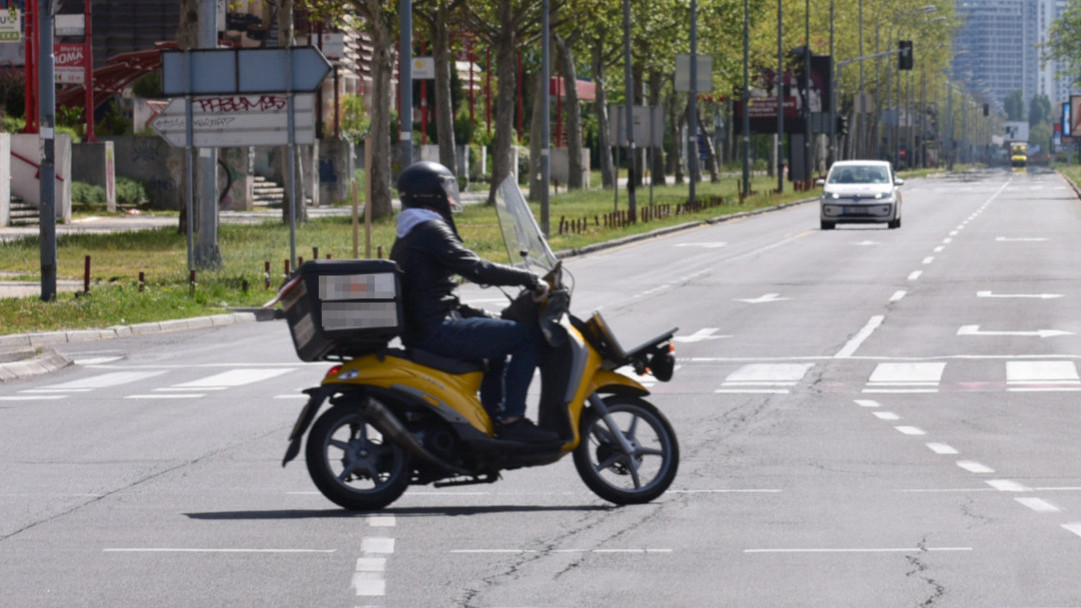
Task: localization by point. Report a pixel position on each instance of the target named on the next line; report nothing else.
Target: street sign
(11, 25)
(704, 68)
(648, 127)
(70, 62)
(242, 71)
(225, 121)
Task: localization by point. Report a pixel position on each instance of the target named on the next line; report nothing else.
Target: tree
(1039, 110)
(439, 16)
(1015, 105)
(379, 19)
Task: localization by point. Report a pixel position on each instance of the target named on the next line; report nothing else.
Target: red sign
(70, 62)
(766, 107)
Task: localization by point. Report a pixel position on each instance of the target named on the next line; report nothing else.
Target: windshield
(526, 246)
(859, 174)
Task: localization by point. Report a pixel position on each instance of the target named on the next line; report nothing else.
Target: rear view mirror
(820, 182)
(898, 181)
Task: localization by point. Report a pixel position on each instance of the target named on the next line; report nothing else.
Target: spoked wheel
(632, 471)
(353, 463)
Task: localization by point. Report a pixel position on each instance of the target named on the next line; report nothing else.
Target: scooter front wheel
(636, 469)
(353, 463)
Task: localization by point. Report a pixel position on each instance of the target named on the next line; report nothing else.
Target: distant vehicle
(861, 192)
(1018, 154)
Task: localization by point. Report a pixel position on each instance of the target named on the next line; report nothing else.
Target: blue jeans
(478, 338)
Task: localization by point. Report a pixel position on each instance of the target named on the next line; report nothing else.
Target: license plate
(857, 211)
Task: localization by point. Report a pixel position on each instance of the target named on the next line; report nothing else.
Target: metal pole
(546, 135)
(692, 106)
(780, 97)
(207, 253)
(835, 84)
(746, 100)
(628, 75)
(858, 127)
(47, 134)
(808, 165)
(405, 85)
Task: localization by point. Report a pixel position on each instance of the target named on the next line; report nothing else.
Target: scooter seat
(446, 364)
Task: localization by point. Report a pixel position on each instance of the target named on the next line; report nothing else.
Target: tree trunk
(444, 109)
(506, 72)
(604, 143)
(379, 174)
(286, 39)
(573, 109)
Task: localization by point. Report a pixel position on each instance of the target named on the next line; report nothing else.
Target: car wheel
(895, 223)
(828, 225)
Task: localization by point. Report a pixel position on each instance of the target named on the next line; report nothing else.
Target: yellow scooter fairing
(452, 395)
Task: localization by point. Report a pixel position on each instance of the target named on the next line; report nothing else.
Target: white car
(861, 192)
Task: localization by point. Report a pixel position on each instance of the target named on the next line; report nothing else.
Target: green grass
(117, 259)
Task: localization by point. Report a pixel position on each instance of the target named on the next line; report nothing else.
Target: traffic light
(904, 58)
(842, 124)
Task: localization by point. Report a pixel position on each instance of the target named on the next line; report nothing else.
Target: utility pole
(207, 253)
(628, 74)
(47, 134)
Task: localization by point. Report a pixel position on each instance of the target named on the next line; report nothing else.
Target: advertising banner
(71, 63)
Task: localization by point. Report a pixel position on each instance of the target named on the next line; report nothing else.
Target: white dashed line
(910, 430)
(1008, 485)
(974, 467)
(1038, 505)
(941, 448)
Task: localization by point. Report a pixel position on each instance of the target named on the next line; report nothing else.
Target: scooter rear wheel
(619, 476)
(353, 463)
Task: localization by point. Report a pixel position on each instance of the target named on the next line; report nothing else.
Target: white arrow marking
(763, 299)
(974, 330)
(700, 335)
(711, 245)
(1005, 239)
(1041, 296)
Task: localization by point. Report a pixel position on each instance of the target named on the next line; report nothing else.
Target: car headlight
(880, 195)
(833, 195)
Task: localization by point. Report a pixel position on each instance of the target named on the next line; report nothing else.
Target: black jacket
(429, 257)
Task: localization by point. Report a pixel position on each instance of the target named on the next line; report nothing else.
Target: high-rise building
(998, 50)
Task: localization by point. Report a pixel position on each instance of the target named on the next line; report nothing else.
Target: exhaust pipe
(388, 423)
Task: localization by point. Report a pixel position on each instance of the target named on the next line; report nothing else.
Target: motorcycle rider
(430, 252)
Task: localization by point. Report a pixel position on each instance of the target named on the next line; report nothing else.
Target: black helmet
(428, 184)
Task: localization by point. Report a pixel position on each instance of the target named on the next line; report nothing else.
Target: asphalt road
(867, 417)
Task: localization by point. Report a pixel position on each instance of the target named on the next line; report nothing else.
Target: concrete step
(23, 213)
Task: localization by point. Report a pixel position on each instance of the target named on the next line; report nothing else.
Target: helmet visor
(450, 188)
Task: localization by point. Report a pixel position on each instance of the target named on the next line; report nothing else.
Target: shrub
(87, 196)
(130, 193)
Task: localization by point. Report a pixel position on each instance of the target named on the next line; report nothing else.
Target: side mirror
(820, 182)
(898, 181)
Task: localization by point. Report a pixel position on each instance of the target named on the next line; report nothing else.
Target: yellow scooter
(402, 417)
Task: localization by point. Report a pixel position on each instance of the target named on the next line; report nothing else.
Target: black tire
(828, 225)
(353, 463)
(615, 475)
(895, 223)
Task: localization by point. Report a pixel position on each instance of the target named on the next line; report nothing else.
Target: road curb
(35, 363)
(21, 343)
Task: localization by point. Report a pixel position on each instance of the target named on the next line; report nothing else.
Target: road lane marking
(910, 430)
(886, 416)
(928, 260)
(647, 550)
(941, 448)
(31, 397)
(1008, 485)
(1075, 528)
(905, 378)
(861, 550)
(235, 377)
(104, 380)
(706, 333)
(897, 295)
(208, 550)
(867, 403)
(1042, 376)
(1038, 505)
(974, 330)
(167, 396)
(974, 467)
(376, 544)
(912, 276)
(850, 348)
(764, 378)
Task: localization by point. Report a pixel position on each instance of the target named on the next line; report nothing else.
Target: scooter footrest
(467, 481)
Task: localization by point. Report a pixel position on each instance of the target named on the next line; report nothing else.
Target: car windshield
(859, 174)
